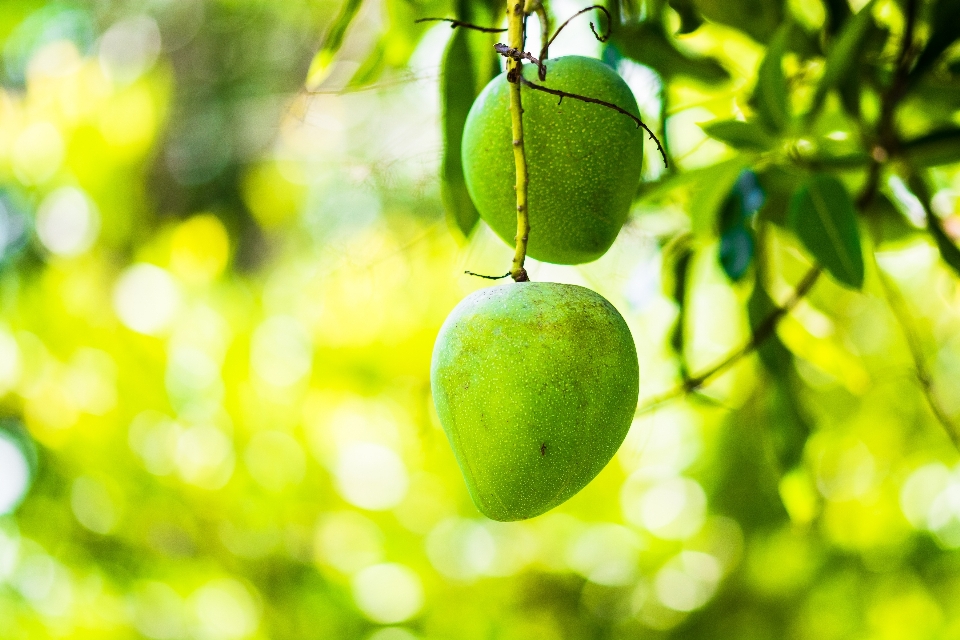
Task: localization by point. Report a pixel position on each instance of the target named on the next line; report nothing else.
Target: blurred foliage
(226, 249)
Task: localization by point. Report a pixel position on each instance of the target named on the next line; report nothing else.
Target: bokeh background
(223, 262)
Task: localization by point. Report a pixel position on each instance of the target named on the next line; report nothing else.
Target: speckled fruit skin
(583, 159)
(536, 385)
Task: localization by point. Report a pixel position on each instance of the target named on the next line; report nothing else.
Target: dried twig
(460, 23)
(603, 103)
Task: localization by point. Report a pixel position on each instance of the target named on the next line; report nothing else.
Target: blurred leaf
(771, 97)
(675, 270)
(944, 31)
(736, 251)
(739, 134)
(321, 64)
(457, 91)
(648, 44)
(887, 224)
(690, 19)
(757, 18)
(837, 13)
(823, 218)
(934, 149)
(948, 250)
(844, 54)
(712, 189)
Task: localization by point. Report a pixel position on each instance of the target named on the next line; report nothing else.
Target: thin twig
(480, 275)
(763, 331)
(460, 23)
(544, 18)
(519, 55)
(899, 308)
(603, 38)
(603, 103)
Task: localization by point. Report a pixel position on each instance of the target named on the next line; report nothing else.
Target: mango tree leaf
(837, 13)
(739, 134)
(948, 251)
(757, 18)
(934, 149)
(844, 54)
(736, 251)
(770, 97)
(676, 258)
(469, 63)
(945, 30)
(823, 218)
(713, 187)
(332, 42)
(690, 19)
(649, 45)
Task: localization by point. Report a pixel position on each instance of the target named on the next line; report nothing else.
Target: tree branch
(762, 331)
(517, 24)
(459, 23)
(603, 38)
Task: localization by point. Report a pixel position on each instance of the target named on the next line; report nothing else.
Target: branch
(480, 275)
(763, 331)
(459, 23)
(603, 38)
(609, 105)
(518, 55)
(899, 308)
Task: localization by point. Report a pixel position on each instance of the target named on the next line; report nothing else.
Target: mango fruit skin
(536, 385)
(583, 160)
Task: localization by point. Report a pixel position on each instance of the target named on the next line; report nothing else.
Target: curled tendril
(601, 38)
(460, 23)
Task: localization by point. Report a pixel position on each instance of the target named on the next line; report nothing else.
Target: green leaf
(690, 19)
(469, 63)
(823, 218)
(713, 187)
(321, 64)
(739, 134)
(948, 251)
(844, 54)
(771, 97)
(934, 149)
(945, 30)
(757, 18)
(649, 45)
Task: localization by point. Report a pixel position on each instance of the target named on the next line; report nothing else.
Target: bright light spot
(9, 548)
(461, 549)
(146, 298)
(67, 222)
(371, 476)
(37, 153)
(392, 633)
(348, 541)
(846, 473)
(90, 381)
(154, 437)
(225, 610)
(688, 581)
(199, 249)
(920, 491)
(281, 353)
(92, 505)
(944, 516)
(661, 445)
(673, 509)
(388, 593)
(158, 611)
(129, 48)
(275, 460)
(14, 474)
(606, 554)
(205, 456)
(190, 372)
(43, 581)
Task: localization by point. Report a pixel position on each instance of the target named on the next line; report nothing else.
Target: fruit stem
(515, 26)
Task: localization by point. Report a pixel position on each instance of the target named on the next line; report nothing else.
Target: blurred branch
(460, 23)
(900, 311)
(763, 331)
(887, 143)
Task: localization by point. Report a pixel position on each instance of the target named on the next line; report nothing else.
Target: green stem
(515, 33)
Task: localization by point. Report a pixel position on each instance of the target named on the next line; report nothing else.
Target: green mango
(536, 385)
(583, 160)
